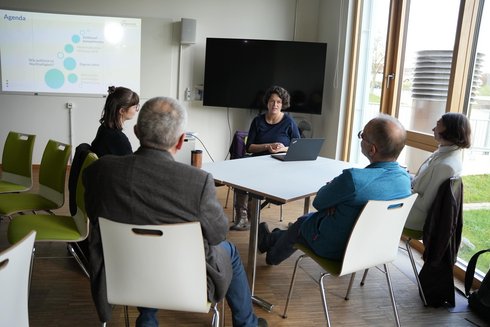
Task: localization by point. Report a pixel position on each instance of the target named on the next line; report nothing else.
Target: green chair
(17, 163)
(52, 177)
(57, 228)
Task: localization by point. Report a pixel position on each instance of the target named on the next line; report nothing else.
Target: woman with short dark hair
(453, 133)
(270, 132)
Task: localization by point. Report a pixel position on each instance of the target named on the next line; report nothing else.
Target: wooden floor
(60, 293)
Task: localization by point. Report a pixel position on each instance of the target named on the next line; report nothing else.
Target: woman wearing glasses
(270, 132)
(121, 105)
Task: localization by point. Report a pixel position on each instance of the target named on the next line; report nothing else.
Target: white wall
(302, 20)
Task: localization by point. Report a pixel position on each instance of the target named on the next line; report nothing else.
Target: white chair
(15, 273)
(373, 241)
(156, 266)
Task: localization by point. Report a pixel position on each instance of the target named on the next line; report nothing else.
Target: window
(417, 60)
(374, 23)
(476, 228)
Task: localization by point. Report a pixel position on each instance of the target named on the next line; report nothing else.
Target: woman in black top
(121, 105)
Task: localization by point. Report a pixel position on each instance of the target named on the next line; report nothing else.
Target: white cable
(337, 66)
(178, 72)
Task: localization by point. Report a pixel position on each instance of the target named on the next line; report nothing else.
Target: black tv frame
(238, 71)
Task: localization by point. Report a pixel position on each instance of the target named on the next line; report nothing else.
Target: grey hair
(161, 121)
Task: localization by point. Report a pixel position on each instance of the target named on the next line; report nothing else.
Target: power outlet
(187, 94)
(69, 105)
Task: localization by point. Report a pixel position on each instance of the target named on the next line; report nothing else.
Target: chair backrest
(376, 234)
(17, 159)
(443, 225)
(81, 152)
(15, 267)
(156, 266)
(238, 145)
(52, 171)
(80, 216)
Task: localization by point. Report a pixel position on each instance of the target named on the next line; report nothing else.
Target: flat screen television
(237, 72)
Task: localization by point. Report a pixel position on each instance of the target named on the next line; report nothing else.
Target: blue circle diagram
(69, 63)
(54, 78)
(72, 78)
(69, 48)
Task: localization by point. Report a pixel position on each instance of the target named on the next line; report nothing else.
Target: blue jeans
(238, 296)
(281, 242)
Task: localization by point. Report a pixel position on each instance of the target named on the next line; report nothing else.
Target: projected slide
(54, 53)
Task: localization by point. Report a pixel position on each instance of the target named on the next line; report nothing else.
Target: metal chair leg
(77, 258)
(350, 286)
(293, 278)
(216, 322)
(30, 269)
(414, 267)
(364, 277)
(392, 296)
(324, 298)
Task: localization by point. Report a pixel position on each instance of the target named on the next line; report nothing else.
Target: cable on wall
(295, 19)
(337, 65)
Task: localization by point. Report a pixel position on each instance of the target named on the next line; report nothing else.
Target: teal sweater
(326, 234)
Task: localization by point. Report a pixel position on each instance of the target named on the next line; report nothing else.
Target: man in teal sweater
(340, 201)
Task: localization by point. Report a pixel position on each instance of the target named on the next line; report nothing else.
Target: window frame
(464, 53)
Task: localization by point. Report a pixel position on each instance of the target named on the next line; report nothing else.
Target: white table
(279, 182)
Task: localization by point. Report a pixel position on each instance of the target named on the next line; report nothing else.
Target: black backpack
(479, 300)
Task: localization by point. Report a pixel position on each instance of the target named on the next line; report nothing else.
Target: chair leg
(216, 322)
(392, 296)
(83, 256)
(284, 315)
(227, 196)
(234, 218)
(126, 315)
(350, 286)
(77, 258)
(414, 267)
(30, 269)
(364, 277)
(324, 298)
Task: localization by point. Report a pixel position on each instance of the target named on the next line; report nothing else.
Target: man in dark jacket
(150, 187)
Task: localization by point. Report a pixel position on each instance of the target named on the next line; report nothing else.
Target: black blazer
(442, 237)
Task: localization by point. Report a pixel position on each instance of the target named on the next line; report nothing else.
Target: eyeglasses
(360, 136)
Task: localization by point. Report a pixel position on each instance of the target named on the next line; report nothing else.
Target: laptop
(301, 149)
